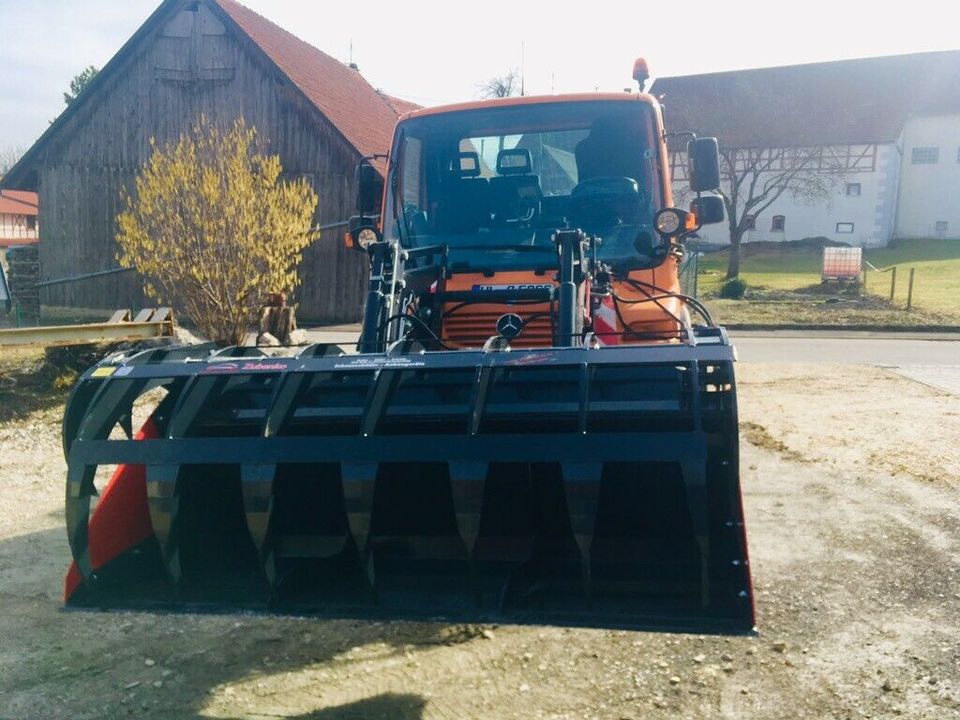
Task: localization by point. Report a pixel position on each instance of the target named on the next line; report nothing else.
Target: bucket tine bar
(581, 482)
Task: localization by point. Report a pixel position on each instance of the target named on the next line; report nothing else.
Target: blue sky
(435, 52)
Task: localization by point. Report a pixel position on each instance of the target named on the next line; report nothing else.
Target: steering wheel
(604, 201)
(606, 185)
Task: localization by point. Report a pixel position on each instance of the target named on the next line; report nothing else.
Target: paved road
(928, 358)
(933, 361)
(831, 347)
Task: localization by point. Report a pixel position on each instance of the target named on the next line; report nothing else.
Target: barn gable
(217, 58)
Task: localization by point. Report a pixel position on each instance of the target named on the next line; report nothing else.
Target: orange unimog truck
(536, 425)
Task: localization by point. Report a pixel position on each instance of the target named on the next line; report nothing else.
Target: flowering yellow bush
(212, 229)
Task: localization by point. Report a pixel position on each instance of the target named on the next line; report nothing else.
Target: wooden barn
(218, 58)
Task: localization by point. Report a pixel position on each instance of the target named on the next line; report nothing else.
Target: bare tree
(753, 179)
(501, 86)
(9, 156)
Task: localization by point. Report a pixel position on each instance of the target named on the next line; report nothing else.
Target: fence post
(893, 282)
(696, 273)
(910, 290)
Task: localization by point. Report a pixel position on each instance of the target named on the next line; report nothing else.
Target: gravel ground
(851, 478)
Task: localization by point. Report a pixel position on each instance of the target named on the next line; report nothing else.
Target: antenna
(352, 65)
(522, 88)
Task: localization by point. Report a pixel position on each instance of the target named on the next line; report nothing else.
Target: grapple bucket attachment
(593, 486)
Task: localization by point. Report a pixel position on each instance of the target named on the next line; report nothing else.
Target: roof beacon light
(641, 73)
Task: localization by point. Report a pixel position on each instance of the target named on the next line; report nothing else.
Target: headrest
(466, 165)
(514, 162)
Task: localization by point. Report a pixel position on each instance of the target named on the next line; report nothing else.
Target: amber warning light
(641, 73)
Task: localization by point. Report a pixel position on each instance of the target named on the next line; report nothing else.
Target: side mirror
(704, 158)
(708, 209)
(369, 189)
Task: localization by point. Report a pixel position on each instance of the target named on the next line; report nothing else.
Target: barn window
(778, 224)
(853, 189)
(845, 228)
(750, 222)
(925, 155)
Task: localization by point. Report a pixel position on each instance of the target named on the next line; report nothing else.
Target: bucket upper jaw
(588, 485)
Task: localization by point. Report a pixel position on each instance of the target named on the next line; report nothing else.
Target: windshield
(494, 184)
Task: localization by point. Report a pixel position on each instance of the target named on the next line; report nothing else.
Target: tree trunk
(733, 265)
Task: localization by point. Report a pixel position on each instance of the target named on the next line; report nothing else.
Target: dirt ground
(851, 478)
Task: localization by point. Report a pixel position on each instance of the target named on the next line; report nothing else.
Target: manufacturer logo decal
(509, 326)
(221, 367)
(361, 363)
(531, 359)
(263, 366)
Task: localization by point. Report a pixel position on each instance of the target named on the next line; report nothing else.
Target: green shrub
(733, 289)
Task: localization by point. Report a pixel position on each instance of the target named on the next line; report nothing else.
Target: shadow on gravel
(389, 706)
(79, 664)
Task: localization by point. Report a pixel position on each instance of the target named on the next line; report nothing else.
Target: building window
(749, 222)
(925, 155)
(845, 228)
(941, 228)
(31, 223)
(778, 224)
(853, 189)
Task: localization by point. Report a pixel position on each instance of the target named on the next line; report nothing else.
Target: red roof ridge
(399, 105)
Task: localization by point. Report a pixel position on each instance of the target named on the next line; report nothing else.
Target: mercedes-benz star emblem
(509, 326)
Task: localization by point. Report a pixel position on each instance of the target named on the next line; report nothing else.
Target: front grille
(472, 328)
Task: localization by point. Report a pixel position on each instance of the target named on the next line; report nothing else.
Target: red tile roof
(401, 106)
(19, 202)
(846, 101)
(364, 116)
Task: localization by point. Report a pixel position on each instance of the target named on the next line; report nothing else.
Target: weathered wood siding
(191, 64)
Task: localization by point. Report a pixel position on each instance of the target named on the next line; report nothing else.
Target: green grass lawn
(766, 269)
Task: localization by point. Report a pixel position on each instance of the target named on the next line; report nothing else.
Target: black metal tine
(80, 488)
(478, 403)
(467, 483)
(102, 412)
(126, 424)
(586, 374)
(78, 405)
(163, 499)
(289, 390)
(695, 483)
(111, 401)
(384, 384)
(257, 484)
(581, 482)
(359, 483)
(191, 401)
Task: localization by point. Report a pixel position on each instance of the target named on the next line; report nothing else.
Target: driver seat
(601, 153)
